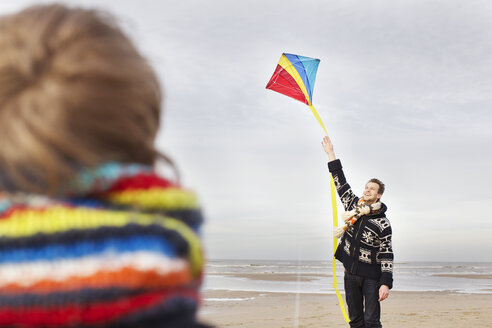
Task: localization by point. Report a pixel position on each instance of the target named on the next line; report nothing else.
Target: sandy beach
(400, 310)
(261, 293)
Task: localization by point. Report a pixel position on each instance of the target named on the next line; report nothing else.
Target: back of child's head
(74, 92)
(118, 245)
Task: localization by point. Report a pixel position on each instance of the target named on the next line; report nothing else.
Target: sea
(316, 276)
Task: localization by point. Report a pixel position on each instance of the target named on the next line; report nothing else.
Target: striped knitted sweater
(118, 248)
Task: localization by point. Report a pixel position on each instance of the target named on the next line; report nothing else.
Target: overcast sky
(404, 89)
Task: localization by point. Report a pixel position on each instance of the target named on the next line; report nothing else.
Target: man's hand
(383, 292)
(328, 147)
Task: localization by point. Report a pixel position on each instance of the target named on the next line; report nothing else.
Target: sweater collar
(108, 185)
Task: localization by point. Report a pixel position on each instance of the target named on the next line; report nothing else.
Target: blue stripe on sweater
(88, 247)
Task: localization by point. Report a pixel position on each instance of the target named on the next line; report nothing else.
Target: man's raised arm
(328, 147)
(348, 198)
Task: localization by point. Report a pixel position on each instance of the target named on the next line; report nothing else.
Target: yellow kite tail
(318, 118)
(335, 242)
(335, 223)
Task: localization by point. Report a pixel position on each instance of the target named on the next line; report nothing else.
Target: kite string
(335, 245)
(315, 113)
(335, 224)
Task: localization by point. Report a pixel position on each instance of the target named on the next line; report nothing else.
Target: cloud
(403, 87)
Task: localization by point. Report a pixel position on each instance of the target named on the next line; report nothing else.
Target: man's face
(371, 193)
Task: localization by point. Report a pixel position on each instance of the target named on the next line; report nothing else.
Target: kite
(294, 77)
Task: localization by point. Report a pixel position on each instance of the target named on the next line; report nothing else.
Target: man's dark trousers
(357, 290)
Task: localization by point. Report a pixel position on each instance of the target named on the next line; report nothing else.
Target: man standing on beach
(365, 246)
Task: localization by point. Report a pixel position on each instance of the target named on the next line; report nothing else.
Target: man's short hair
(380, 184)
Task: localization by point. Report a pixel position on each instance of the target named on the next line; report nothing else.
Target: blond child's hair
(74, 92)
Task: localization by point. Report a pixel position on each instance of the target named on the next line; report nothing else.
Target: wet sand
(401, 310)
(467, 276)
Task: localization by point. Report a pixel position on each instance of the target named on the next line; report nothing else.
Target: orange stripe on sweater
(126, 277)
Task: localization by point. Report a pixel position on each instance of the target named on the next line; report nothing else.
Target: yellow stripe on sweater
(157, 198)
(25, 223)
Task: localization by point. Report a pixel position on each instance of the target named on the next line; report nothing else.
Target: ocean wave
(232, 299)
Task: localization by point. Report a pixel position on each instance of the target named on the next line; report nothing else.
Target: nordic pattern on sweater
(365, 248)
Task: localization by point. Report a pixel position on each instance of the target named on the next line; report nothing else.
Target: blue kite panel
(295, 60)
(311, 66)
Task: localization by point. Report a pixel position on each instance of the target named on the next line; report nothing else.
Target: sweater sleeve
(386, 258)
(348, 198)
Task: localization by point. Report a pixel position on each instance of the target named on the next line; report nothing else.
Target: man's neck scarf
(350, 217)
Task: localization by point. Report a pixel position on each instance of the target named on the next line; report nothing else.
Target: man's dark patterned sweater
(365, 248)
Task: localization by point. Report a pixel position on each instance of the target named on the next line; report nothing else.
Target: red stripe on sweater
(94, 313)
(19, 208)
(141, 181)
